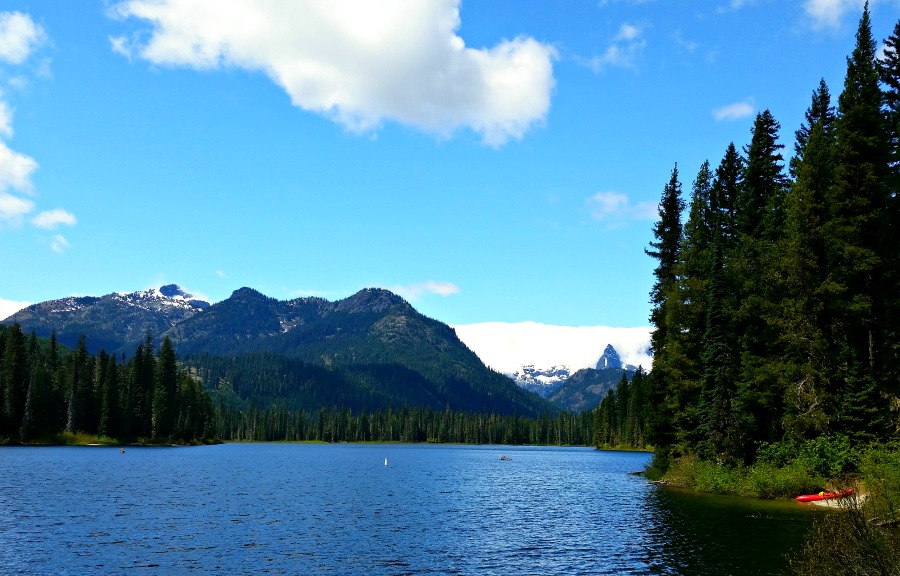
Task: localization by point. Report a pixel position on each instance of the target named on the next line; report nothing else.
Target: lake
(338, 509)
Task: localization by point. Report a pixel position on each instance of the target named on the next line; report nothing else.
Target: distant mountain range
(116, 322)
(507, 346)
(582, 390)
(369, 351)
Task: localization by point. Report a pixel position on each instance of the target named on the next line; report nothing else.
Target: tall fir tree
(110, 410)
(860, 232)
(722, 438)
(165, 392)
(889, 72)
(15, 381)
(805, 320)
(82, 415)
(666, 249)
(821, 111)
(759, 218)
(889, 69)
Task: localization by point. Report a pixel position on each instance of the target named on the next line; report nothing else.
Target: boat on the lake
(823, 496)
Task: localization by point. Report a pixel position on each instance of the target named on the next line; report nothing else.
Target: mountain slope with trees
(369, 351)
(116, 322)
(48, 390)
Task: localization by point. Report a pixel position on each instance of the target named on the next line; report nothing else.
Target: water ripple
(301, 509)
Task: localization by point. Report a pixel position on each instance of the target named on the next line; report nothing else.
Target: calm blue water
(337, 509)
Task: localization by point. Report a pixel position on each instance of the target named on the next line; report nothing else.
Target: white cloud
(414, 291)
(13, 209)
(359, 62)
(828, 13)
(505, 347)
(121, 46)
(10, 307)
(615, 208)
(15, 169)
(59, 243)
(628, 32)
(19, 36)
(689, 46)
(735, 5)
(623, 52)
(220, 274)
(52, 219)
(734, 111)
(5, 120)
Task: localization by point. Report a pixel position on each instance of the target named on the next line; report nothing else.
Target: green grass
(761, 480)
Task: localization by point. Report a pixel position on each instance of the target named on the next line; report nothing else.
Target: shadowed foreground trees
(775, 310)
(46, 390)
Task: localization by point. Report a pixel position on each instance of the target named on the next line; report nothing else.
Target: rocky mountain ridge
(579, 390)
(369, 351)
(112, 322)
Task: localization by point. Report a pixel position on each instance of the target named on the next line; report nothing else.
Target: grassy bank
(81, 439)
(863, 540)
(782, 470)
(761, 480)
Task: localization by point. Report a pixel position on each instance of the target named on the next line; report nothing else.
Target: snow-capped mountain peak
(170, 295)
(609, 359)
(543, 381)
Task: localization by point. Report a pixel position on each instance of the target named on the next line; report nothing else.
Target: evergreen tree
(820, 112)
(805, 323)
(722, 437)
(666, 249)
(723, 199)
(82, 400)
(15, 380)
(110, 411)
(889, 69)
(858, 227)
(759, 218)
(889, 72)
(165, 392)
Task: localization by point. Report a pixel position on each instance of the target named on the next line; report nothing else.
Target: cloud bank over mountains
(357, 62)
(506, 346)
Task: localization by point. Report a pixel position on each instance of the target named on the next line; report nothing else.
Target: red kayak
(823, 496)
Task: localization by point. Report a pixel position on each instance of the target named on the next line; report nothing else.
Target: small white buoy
(385, 461)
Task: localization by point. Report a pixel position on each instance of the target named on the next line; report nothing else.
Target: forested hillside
(775, 303)
(370, 351)
(50, 394)
(47, 390)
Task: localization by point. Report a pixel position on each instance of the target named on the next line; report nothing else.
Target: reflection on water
(689, 533)
(337, 509)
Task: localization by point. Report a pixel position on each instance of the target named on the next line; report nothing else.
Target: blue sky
(490, 160)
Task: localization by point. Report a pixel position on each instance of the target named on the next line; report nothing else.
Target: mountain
(373, 345)
(507, 346)
(542, 381)
(372, 350)
(115, 322)
(609, 359)
(578, 391)
(586, 388)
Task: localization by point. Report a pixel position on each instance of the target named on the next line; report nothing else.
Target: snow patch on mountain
(507, 347)
(170, 295)
(541, 381)
(529, 375)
